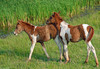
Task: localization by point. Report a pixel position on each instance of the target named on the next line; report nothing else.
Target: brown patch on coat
(91, 32)
(82, 33)
(66, 36)
(77, 33)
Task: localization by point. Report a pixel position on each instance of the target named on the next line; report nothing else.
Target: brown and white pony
(38, 34)
(74, 34)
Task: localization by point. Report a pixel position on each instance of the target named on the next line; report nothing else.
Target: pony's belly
(76, 40)
(43, 38)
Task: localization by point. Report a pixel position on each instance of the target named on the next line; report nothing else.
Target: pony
(39, 34)
(69, 33)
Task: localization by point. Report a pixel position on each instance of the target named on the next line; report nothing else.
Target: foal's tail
(90, 34)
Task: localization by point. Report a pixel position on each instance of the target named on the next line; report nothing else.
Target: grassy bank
(37, 11)
(14, 50)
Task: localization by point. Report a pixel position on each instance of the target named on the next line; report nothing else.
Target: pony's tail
(90, 34)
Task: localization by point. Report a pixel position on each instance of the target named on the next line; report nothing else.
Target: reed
(37, 11)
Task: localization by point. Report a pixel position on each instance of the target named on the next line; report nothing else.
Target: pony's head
(54, 18)
(19, 27)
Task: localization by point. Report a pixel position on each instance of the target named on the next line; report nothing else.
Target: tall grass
(37, 11)
(14, 50)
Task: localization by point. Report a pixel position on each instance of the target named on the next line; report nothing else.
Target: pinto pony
(38, 34)
(74, 34)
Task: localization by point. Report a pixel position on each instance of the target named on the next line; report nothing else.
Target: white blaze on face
(85, 29)
(64, 30)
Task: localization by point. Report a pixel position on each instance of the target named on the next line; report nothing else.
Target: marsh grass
(37, 11)
(14, 50)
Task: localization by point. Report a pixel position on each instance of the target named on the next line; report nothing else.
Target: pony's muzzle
(15, 33)
(47, 22)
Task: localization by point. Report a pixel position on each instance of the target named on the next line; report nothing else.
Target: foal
(38, 34)
(74, 34)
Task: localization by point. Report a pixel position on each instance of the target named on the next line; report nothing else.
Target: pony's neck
(58, 22)
(28, 28)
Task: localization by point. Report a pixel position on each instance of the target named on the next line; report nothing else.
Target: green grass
(37, 11)
(14, 50)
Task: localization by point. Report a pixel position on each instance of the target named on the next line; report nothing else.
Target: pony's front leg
(65, 51)
(57, 40)
(32, 47)
(65, 54)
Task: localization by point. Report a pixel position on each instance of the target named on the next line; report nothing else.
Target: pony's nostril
(15, 33)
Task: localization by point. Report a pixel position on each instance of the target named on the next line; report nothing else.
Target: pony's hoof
(28, 60)
(97, 65)
(48, 58)
(69, 60)
(85, 61)
(60, 61)
(65, 62)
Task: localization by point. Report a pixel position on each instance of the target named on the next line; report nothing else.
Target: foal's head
(55, 18)
(19, 27)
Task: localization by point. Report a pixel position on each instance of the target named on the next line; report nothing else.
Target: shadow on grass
(23, 53)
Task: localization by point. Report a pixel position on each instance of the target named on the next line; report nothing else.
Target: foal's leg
(45, 50)
(88, 52)
(57, 40)
(90, 47)
(65, 51)
(32, 47)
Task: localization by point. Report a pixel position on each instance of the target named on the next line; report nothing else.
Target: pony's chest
(65, 30)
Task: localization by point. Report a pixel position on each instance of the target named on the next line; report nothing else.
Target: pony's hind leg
(91, 48)
(88, 52)
(43, 46)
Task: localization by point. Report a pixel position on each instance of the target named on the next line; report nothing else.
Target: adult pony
(74, 34)
(38, 34)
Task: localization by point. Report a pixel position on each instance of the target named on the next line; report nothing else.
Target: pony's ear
(19, 21)
(55, 13)
(59, 12)
(22, 20)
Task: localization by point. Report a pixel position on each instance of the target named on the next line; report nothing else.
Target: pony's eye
(50, 17)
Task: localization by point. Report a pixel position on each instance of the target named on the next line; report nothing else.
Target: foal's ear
(59, 12)
(22, 20)
(55, 13)
(19, 21)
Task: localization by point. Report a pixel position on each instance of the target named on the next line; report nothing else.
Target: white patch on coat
(33, 45)
(64, 30)
(85, 29)
(35, 28)
(34, 37)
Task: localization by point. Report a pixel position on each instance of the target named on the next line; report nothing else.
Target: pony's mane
(25, 23)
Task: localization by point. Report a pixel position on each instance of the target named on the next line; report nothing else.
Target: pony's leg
(57, 40)
(65, 51)
(90, 47)
(88, 52)
(43, 46)
(32, 48)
